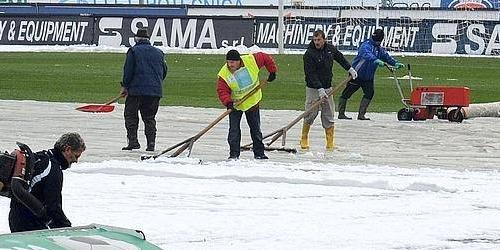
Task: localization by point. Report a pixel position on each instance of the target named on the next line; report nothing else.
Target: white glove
(322, 93)
(353, 73)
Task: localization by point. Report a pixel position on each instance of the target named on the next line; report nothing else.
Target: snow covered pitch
(388, 185)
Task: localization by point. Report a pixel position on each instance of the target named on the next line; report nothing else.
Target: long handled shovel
(100, 108)
(282, 131)
(189, 142)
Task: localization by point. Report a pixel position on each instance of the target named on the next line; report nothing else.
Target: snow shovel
(282, 131)
(100, 108)
(189, 142)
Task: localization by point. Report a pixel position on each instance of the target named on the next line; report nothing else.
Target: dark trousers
(234, 137)
(148, 106)
(21, 220)
(354, 85)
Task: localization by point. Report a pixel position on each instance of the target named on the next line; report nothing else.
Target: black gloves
(230, 106)
(271, 77)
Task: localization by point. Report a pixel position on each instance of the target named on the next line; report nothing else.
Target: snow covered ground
(389, 184)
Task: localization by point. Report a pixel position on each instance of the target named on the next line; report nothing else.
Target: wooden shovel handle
(282, 131)
(188, 143)
(251, 93)
(113, 100)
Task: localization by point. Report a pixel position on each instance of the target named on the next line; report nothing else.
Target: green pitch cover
(91, 237)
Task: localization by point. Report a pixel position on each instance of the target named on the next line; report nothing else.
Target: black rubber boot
(233, 157)
(133, 143)
(151, 146)
(261, 157)
(342, 105)
(363, 106)
(150, 138)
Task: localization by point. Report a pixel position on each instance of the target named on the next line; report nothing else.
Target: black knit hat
(142, 33)
(233, 55)
(378, 35)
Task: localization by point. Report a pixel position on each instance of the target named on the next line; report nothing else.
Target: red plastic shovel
(100, 108)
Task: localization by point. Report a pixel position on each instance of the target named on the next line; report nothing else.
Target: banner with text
(425, 36)
(186, 33)
(33, 30)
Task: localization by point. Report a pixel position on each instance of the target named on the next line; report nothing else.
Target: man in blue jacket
(46, 186)
(370, 56)
(143, 75)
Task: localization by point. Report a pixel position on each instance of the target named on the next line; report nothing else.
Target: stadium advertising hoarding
(201, 33)
(36, 30)
(426, 36)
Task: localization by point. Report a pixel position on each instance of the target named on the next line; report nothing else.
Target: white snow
(406, 77)
(389, 185)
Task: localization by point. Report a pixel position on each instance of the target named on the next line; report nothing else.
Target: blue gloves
(379, 63)
(397, 65)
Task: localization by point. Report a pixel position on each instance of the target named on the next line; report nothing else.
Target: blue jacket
(144, 70)
(364, 62)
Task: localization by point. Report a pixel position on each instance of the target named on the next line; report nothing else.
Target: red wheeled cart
(425, 102)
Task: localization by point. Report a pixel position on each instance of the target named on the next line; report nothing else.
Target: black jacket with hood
(318, 65)
(46, 186)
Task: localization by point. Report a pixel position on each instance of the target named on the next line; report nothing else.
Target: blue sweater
(364, 62)
(144, 70)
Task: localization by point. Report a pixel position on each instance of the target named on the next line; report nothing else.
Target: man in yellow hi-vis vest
(237, 77)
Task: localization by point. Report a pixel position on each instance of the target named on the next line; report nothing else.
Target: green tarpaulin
(91, 237)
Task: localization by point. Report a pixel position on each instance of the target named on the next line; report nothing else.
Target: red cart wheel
(405, 114)
(455, 115)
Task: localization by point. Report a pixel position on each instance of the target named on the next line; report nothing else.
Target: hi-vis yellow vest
(243, 81)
